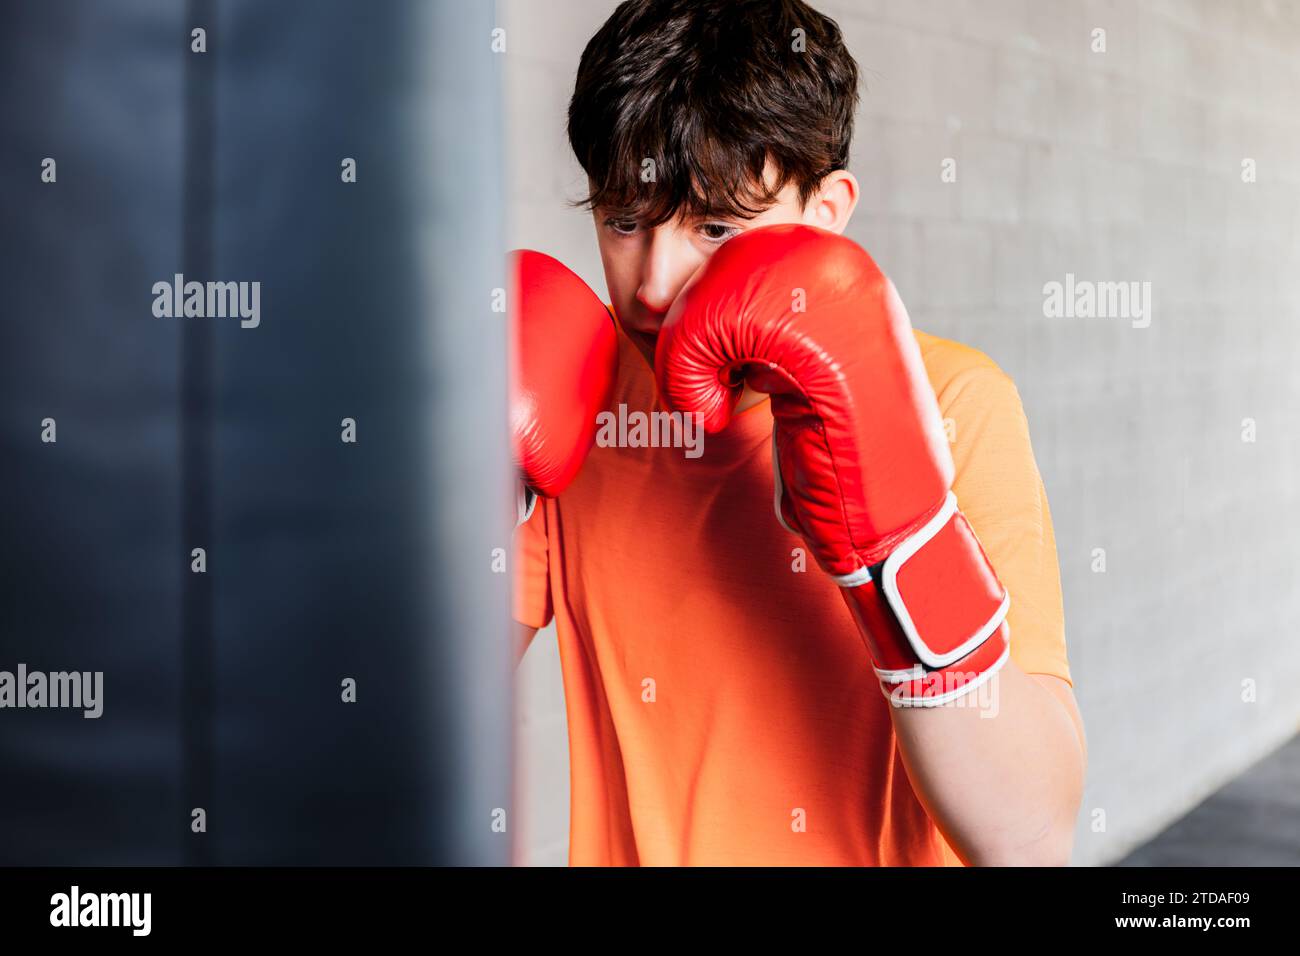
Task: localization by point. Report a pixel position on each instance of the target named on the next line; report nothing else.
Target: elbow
(1052, 846)
(1052, 851)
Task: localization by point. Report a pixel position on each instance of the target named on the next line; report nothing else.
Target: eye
(622, 227)
(717, 232)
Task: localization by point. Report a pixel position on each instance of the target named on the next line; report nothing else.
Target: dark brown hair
(711, 90)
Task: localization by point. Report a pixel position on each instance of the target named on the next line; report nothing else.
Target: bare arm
(1003, 782)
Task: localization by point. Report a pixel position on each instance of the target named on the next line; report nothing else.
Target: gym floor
(1252, 821)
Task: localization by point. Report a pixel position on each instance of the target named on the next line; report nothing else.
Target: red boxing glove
(563, 364)
(863, 471)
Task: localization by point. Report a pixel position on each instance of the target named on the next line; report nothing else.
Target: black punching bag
(266, 523)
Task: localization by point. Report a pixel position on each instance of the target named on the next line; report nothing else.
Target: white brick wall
(1117, 166)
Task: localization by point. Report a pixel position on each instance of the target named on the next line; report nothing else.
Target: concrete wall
(1174, 447)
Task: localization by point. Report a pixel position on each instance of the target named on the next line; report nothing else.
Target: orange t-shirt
(722, 709)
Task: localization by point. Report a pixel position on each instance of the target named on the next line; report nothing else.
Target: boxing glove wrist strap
(933, 612)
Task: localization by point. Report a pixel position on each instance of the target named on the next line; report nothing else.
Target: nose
(669, 262)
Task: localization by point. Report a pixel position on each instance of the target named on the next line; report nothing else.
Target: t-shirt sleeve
(531, 587)
(1000, 490)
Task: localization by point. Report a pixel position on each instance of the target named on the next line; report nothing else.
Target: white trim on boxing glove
(889, 583)
(525, 503)
(889, 586)
(779, 485)
(943, 698)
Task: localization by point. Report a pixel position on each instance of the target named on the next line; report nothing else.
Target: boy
(722, 709)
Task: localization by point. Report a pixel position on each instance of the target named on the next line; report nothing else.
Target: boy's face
(645, 269)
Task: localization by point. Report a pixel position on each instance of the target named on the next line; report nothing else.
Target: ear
(831, 206)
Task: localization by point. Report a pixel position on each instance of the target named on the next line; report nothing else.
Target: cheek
(622, 270)
(623, 284)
